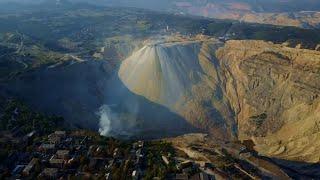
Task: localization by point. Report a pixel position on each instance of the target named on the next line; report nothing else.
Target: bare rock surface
(241, 89)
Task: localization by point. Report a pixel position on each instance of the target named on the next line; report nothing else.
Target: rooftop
(50, 172)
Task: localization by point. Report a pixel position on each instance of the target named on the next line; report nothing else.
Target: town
(45, 149)
(81, 154)
(86, 155)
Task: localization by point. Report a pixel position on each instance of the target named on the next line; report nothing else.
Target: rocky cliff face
(277, 101)
(245, 89)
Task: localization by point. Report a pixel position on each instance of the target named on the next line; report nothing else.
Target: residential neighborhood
(86, 155)
(47, 150)
(81, 154)
(53, 152)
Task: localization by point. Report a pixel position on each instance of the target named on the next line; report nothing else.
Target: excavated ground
(242, 89)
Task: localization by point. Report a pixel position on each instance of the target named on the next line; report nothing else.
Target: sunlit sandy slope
(162, 72)
(181, 76)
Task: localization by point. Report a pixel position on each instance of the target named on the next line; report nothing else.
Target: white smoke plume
(107, 118)
(114, 124)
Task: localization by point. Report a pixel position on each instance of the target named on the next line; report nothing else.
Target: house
(49, 173)
(63, 154)
(27, 170)
(61, 134)
(48, 148)
(53, 139)
(57, 163)
(56, 137)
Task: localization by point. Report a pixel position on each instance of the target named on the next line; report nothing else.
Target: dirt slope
(244, 89)
(183, 77)
(278, 101)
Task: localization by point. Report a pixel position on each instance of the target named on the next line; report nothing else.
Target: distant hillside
(286, 13)
(254, 5)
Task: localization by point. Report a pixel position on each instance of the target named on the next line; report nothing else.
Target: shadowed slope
(77, 91)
